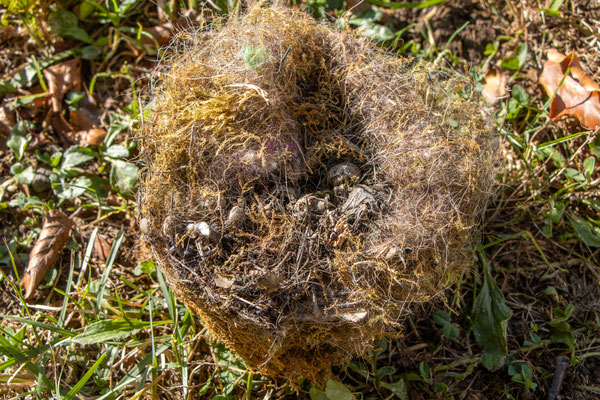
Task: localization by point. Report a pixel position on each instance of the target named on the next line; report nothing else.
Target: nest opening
(303, 187)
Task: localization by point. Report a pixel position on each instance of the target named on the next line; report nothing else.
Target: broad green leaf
(6, 88)
(117, 151)
(586, 231)
(557, 211)
(588, 166)
(113, 329)
(595, 204)
(450, 331)
(64, 23)
(490, 315)
(560, 332)
(18, 139)
(337, 391)
(317, 394)
(126, 5)
(50, 160)
(124, 176)
(554, 155)
(369, 22)
(90, 52)
(26, 202)
(575, 175)
(76, 155)
(384, 371)
(73, 189)
(514, 107)
(398, 388)
(85, 9)
(519, 94)
(441, 317)
(23, 176)
(144, 267)
(517, 60)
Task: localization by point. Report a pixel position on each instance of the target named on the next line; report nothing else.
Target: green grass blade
(561, 140)
(84, 378)
(41, 325)
(86, 258)
(112, 255)
(134, 374)
(396, 5)
(21, 358)
(167, 293)
(63, 311)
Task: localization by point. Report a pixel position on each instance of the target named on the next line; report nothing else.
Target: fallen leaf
(61, 78)
(7, 122)
(87, 114)
(53, 237)
(578, 96)
(91, 137)
(161, 33)
(81, 121)
(102, 246)
(62, 128)
(494, 86)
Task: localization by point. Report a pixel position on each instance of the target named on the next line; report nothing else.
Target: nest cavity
(303, 188)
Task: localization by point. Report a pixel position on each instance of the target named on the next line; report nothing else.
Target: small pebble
(41, 180)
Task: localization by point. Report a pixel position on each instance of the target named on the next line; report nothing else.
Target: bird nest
(302, 187)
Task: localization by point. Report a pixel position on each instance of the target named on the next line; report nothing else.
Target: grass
(110, 327)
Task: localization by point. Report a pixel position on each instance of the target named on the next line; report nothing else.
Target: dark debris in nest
(303, 187)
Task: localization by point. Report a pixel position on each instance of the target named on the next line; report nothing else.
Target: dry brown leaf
(53, 237)
(80, 121)
(494, 86)
(578, 96)
(162, 33)
(62, 127)
(102, 246)
(88, 114)
(61, 78)
(91, 137)
(7, 121)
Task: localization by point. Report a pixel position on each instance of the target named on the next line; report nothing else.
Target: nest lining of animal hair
(302, 187)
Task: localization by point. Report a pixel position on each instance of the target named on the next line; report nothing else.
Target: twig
(562, 363)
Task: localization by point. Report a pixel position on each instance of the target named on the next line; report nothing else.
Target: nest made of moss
(303, 187)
